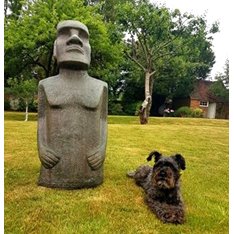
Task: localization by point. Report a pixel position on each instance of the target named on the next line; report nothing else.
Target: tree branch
(37, 63)
(152, 73)
(141, 43)
(171, 39)
(134, 60)
(162, 55)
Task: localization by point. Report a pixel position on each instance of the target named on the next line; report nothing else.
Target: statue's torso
(73, 112)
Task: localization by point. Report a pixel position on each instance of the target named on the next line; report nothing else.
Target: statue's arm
(47, 156)
(97, 156)
(103, 121)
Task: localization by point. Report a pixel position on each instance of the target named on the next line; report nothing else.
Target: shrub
(137, 108)
(7, 105)
(186, 111)
(183, 111)
(14, 104)
(132, 108)
(32, 105)
(115, 108)
(197, 113)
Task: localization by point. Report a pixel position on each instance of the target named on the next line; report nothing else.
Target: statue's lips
(74, 48)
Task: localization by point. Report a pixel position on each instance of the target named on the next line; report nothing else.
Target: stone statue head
(71, 47)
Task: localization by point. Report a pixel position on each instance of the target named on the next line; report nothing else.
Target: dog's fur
(161, 184)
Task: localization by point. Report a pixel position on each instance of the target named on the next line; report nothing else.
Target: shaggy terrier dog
(161, 184)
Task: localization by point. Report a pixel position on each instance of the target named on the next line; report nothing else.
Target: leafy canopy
(29, 39)
(176, 46)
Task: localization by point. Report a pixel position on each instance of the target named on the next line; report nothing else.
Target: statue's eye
(83, 34)
(63, 32)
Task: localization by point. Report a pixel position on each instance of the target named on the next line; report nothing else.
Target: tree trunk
(26, 111)
(144, 111)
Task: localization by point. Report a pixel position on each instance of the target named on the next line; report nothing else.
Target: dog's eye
(160, 164)
(170, 173)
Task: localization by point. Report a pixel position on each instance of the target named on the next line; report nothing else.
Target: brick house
(212, 106)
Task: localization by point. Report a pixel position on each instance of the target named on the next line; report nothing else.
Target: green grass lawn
(117, 205)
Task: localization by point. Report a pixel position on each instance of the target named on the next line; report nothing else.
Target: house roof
(201, 91)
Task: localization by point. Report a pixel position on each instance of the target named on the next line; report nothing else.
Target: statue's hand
(96, 159)
(48, 157)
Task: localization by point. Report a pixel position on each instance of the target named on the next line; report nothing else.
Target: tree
(29, 38)
(220, 88)
(12, 8)
(23, 88)
(165, 44)
(225, 77)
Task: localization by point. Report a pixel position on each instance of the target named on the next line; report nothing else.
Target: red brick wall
(194, 103)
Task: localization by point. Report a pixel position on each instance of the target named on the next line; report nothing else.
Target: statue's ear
(55, 50)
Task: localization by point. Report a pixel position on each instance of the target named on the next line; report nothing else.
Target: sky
(215, 11)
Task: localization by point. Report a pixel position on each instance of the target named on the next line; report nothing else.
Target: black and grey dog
(161, 184)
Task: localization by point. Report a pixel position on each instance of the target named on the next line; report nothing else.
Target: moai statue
(72, 115)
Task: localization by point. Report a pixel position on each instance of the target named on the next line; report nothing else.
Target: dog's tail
(156, 155)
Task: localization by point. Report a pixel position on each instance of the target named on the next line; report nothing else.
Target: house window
(204, 103)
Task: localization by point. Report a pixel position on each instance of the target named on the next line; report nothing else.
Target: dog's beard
(167, 181)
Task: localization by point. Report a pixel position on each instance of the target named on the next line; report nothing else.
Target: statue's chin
(74, 65)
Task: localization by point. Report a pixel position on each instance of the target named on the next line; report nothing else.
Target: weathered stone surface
(72, 115)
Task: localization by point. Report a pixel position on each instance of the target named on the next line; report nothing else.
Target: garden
(117, 206)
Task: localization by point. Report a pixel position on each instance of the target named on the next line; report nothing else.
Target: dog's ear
(180, 161)
(156, 155)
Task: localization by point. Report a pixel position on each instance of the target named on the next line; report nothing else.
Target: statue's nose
(74, 39)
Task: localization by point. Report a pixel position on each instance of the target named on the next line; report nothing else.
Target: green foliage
(197, 113)
(220, 88)
(32, 105)
(186, 111)
(225, 77)
(110, 208)
(115, 108)
(183, 111)
(29, 39)
(12, 8)
(178, 47)
(133, 90)
(23, 88)
(7, 105)
(132, 108)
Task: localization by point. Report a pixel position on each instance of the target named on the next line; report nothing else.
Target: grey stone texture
(72, 115)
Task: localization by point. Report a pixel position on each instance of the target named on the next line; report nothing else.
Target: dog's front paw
(172, 217)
